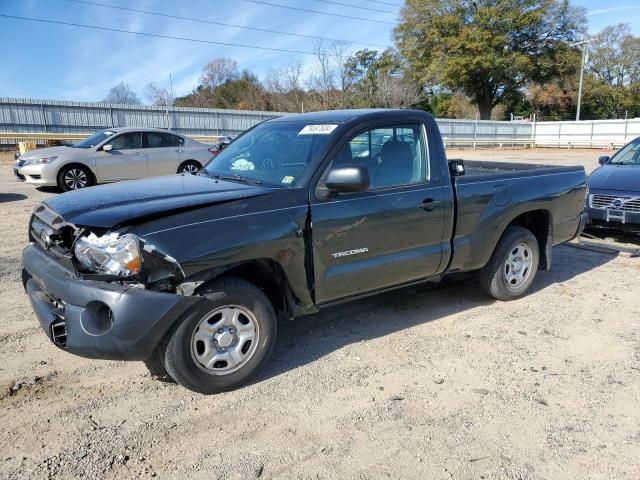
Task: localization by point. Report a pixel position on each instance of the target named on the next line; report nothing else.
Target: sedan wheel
(75, 179)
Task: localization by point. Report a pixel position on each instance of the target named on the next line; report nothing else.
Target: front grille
(20, 163)
(612, 202)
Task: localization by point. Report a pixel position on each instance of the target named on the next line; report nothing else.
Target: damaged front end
(103, 255)
(100, 293)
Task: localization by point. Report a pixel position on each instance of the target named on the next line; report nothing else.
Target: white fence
(585, 133)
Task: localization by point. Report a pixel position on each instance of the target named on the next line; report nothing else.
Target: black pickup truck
(191, 273)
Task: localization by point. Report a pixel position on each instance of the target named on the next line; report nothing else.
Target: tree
(323, 79)
(158, 97)
(219, 71)
(122, 94)
(378, 80)
(244, 93)
(285, 87)
(485, 49)
(614, 66)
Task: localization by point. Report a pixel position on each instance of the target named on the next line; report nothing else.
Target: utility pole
(585, 59)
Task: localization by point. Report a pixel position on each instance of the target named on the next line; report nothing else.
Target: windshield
(274, 153)
(628, 155)
(95, 139)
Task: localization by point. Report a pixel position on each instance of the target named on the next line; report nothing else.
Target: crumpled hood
(107, 206)
(616, 177)
(46, 152)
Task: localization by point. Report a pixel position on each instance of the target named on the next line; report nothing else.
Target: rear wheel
(74, 177)
(190, 166)
(227, 346)
(513, 265)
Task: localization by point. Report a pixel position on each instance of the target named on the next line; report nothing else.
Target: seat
(396, 165)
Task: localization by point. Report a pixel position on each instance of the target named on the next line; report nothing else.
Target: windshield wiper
(237, 178)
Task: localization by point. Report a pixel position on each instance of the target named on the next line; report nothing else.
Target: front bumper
(41, 175)
(618, 220)
(97, 319)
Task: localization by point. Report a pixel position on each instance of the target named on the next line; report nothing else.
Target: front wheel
(74, 177)
(513, 265)
(190, 166)
(227, 346)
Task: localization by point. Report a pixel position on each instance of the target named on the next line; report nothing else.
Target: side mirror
(348, 179)
(604, 159)
(107, 148)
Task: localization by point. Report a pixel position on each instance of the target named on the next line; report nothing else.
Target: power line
(213, 22)
(158, 35)
(386, 3)
(355, 6)
(306, 10)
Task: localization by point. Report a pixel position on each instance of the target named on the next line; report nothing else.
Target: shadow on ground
(11, 197)
(306, 339)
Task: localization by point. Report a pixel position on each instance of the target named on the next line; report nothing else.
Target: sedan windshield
(274, 153)
(628, 155)
(95, 139)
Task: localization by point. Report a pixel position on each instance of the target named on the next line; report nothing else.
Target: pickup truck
(191, 273)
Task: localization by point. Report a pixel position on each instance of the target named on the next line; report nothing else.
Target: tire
(513, 265)
(190, 166)
(155, 365)
(192, 350)
(74, 177)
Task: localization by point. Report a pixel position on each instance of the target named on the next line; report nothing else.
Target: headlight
(109, 254)
(40, 161)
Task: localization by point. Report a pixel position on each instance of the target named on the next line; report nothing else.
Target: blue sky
(62, 62)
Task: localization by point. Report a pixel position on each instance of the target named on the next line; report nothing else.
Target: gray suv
(112, 155)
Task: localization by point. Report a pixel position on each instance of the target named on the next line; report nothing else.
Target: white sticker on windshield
(109, 133)
(317, 130)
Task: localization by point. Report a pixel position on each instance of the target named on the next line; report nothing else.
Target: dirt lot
(427, 382)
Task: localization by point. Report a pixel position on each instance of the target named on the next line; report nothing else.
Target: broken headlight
(109, 254)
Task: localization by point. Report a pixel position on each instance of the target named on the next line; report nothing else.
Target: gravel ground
(426, 382)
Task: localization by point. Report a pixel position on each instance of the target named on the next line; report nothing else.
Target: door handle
(429, 204)
(138, 153)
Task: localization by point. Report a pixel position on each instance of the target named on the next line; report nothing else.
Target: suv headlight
(109, 254)
(40, 161)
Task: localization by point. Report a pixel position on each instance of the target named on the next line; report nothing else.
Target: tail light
(214, 151)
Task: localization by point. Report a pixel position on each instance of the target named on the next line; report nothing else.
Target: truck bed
(481, 169)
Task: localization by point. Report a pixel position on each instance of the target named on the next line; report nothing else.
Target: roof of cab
(342, 116)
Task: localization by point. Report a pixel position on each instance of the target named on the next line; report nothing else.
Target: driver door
(388, 235)
(125, 161)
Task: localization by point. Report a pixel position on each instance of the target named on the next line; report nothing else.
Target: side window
(160, 140)
(127, 141)
(394, 155)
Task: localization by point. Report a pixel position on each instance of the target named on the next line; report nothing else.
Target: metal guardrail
(24, 118)
(41, 120)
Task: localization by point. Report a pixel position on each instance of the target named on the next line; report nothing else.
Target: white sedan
(112, 155)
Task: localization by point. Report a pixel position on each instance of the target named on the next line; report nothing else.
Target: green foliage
(377, 80)
(486, 49)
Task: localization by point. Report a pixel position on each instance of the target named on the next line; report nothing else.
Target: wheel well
(538, 222)
(269, 277)
(76, 164)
